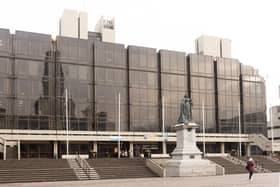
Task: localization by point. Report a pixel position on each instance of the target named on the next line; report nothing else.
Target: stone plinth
(186, 157)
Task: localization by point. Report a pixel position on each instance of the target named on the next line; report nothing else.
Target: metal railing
(85, 166)
(2, 140)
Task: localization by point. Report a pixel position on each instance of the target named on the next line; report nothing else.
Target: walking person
(250, 168)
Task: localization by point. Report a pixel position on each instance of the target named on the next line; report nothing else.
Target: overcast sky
(252, 25)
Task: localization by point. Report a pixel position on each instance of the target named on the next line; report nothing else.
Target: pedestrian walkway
(259, 180)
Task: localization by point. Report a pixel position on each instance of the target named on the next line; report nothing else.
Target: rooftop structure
(213, 46)
(74, 24)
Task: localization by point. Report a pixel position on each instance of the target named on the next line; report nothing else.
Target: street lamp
(239, 127)
(203, 128)
(67, 125)
(272, 130)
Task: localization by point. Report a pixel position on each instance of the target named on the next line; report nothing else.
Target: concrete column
(222, 147)
(95, 148)
(18, 152)
(130, 149)
(55, 150)
(248, 149)
(164, 147)
(4, 150)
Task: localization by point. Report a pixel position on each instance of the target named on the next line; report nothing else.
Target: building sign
(115, 138)
(149, 136)
(109, 24)
(150, 146)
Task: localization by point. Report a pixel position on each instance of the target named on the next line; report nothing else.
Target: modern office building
(273, 129)
(116, 93)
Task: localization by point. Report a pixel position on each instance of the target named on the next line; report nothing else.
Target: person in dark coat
(250, 168)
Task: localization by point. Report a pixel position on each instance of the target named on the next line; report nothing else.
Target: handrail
(84, 165)
(86, 169)
(2, 140)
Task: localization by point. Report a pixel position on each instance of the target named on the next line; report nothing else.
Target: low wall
(216, 154)
(156, 168)
(74, 156)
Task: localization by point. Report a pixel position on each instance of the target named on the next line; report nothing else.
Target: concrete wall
(69, 24)
(208, 45)
(275, 124)
(74, 24)
(225, 48)
(213, 46)
(83, 25)
(108, 35)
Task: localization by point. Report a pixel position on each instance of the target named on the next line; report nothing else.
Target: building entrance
(110, 149)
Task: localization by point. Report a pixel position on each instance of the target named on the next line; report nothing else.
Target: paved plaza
(259, 180)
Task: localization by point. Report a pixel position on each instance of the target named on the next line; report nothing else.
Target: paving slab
(259, 180)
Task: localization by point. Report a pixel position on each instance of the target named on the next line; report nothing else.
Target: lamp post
(272, 130)
(239, 129)
(203, 128)
(164, 138)
(271, 121)
(67, 125)
(119, 125)
(163, 118)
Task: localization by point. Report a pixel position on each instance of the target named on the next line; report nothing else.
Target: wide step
(35, 170)
(121, 168)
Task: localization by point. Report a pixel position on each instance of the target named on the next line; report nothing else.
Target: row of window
(42, 75)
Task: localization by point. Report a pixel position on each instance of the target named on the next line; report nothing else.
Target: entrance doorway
(110, 149)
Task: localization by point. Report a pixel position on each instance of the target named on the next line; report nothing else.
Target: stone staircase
(45, 170)
(77, 169)
(86, 170)
(229, 166)
(259, 168)
(267, 163)
(111, 168)
(35, 170)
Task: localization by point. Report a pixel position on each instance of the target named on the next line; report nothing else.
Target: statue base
(186, 157)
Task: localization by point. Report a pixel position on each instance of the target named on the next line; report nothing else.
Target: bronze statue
(185, 110)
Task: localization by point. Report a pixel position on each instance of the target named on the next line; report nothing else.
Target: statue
(185, 110)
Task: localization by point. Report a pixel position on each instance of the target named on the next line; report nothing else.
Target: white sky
(252, 25)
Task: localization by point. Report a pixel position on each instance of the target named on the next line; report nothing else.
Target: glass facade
(228, 75)
(32, 80)
(173, 76)
(143, 89)
(110, 82)
(35, 71)
(203, 91)
(254, 109)
(74, 72)
(6, 80)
